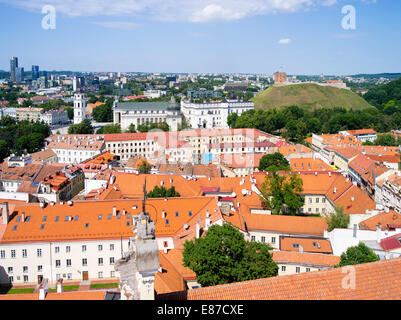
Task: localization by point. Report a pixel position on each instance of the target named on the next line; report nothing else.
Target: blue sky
(227, 36)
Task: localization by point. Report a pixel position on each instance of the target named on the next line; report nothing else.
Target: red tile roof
(373, 281)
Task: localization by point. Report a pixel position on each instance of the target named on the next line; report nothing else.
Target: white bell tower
(79, 108)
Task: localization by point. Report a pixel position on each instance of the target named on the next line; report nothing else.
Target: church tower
(79, 108)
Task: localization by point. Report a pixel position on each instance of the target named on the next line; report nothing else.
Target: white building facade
(79, 108)
(213, 114)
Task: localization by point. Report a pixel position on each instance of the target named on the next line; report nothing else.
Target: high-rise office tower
(13, 67)
(19, 75)
(35, 72)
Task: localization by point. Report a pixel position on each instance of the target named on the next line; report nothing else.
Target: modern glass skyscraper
(19, 75)
(13, 67)
(35, 72)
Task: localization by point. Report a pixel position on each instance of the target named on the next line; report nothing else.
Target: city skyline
(298, 37)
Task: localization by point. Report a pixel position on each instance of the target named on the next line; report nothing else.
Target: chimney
(60, 285)
(355, 230)
(207, 221)
(165, 250)
(163, 214)
(114, 211)
(23, 217)
(378, 231)
(5, 212)
(197, 229)
(335, 189)
(42, 293)
(301, 249)
(352, 198)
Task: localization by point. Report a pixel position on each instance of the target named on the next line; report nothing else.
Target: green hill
(310, 96)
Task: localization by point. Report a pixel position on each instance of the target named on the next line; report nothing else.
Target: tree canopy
(85, 127)
(280, 193)
(274, 162)
(144, 167)
(223, 256)
(162, 192)
(337, 219)
(357, 255)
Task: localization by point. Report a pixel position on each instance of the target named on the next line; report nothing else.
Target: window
(310, 200)
(12, 253)
(40, 268)
(100, 261)
(100, 247)
(324, 200)
(11, 279)
(24, 253)
(84, 262)
(111, 260)
(307, 269)
(57, 218)
(317, 200)
(57, 249)
(83, 248)
(297, 269)
(263, 239)
(111, 247)
(58, 263)
(100, 275)
(99, 217)
(295, 245)
(112, 274)
(44, 218)
(2, 254)
(283, 268)
(67, 249)
(68, 262)
(253, 238)
(10, 270)
(26, 279)
(273, 239)
(25, 269)
(39, 252)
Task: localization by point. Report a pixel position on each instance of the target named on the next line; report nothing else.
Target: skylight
(18, 218)
(76, 218)
(44, 218)
(56, 218)
(15, 227)
(190, 213)
(86, 225)
(28, 218)
(42, 226)
(176, 213)
(99, 217)
(109, 217)
(128, 223)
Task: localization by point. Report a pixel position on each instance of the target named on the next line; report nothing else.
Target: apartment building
(75, 149)
(29, 114)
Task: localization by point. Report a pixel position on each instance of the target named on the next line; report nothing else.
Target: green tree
(337, 219)
(144, 167)
(131, 128)
(4, 150)
(223, 256)
(280, 193)
(357, 255)
(70, 112)
(232, 119)
(274, 162)
(110, 128)
(85, 127)
(162, 192)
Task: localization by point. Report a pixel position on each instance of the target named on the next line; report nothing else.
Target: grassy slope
(309, 96)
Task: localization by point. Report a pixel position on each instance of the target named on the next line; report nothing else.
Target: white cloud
(285, 41)
(198, 11)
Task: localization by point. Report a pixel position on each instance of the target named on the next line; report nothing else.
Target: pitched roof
(391, 243)
(308, 244)
(72, 295)
(374, 281)
(305, 258)
(386, 220)
(309, 164)
(84, 222)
